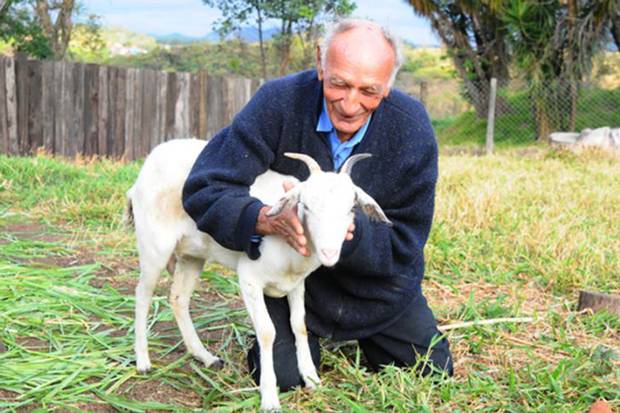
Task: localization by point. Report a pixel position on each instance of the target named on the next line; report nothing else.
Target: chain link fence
(524, 111)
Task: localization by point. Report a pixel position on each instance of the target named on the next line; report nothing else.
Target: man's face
(355, 78)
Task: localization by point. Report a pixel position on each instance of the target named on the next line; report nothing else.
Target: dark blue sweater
(381, 269)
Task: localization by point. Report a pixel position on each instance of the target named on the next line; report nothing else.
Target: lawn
(516, 234)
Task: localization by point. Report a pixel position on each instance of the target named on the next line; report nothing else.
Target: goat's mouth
(328, 256)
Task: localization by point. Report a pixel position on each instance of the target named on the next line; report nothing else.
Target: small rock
(600, 406)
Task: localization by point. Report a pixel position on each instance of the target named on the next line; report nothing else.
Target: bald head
(362, 41)
(357, 65)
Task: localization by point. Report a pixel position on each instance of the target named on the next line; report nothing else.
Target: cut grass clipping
(513, 236)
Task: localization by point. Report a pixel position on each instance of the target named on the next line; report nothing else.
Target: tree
(615, 30)
(475, 36)
(238, 12)
(295, 17)
(86, 43)
(58, 32)
(554, 43)
(301, 18)
(19, 28)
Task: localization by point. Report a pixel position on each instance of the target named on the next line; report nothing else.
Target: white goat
(163, 229)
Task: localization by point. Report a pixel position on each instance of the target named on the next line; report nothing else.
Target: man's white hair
(344, 25)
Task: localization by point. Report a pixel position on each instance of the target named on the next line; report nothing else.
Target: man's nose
(351, 104)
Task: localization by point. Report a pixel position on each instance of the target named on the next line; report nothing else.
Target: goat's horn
(348, 164)
(313, 166)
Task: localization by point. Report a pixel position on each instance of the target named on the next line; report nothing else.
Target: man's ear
(319, 64)
(289, 200)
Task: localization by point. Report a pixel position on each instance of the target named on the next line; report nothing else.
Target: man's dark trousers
(400, 344)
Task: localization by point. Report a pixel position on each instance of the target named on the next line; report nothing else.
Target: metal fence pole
(491, 118)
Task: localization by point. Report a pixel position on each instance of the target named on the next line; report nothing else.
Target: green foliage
(295, 18)
(87, 43)
(71, 193)
(427, 63)
(20, 31)
(596, 108)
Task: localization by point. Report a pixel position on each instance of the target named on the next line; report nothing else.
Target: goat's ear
(370, 207)
(288, 200)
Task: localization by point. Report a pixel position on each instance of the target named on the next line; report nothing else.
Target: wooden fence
(72, 108)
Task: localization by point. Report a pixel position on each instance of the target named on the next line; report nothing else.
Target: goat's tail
(128, 218)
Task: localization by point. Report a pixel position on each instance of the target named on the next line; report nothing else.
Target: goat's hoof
(143, 368)
(217, 364)
(271, 410)
(312, 382)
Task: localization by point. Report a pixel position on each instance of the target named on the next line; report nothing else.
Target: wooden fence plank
(48, 104)
(22, 87)
(119, 111)
(35, 115)
(76, 126)
(148, 109)
(59, 82)
(171, 100)
(91, 105)
(194, 96)
(215, 107)
(129, 114)
(102, 118)
(154, 134)
(202, 105)
(138, 108)
(162, 103)
(4, 131)
(112, 145)
(229, 99)
(181, 115)
(11, 106)
(66, 107)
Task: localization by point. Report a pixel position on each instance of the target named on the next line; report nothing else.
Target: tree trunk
(287, 35)
(261, 44)
(615, 30)
(58, 33)
(4, 6)
(570, 64)
(541, 116)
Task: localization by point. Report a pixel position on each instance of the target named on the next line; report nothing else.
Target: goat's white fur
(163, 229)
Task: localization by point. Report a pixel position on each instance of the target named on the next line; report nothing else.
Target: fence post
(11, 106)
(491, 118)
(423, 92)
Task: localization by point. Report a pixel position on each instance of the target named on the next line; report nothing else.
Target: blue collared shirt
(340, 150)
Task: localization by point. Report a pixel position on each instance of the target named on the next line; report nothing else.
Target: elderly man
(346, 106)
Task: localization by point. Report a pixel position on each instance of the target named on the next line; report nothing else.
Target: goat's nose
(329, 253)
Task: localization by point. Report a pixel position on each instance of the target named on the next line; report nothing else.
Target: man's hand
(287, 225)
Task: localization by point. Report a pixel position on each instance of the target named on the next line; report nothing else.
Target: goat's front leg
(298, 324)
(254, 300)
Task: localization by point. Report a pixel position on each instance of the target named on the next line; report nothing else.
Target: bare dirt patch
(33, 231)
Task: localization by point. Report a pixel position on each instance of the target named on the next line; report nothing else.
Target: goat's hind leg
(150, 270)
(186, 275)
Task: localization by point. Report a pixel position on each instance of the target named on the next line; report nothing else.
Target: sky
(193, 18)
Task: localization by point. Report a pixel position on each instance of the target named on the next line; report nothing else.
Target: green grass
(596, 108)
(514, 235)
